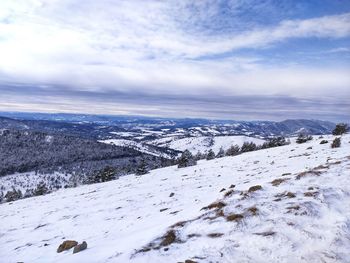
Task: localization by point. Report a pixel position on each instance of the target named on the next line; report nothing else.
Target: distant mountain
(149, 128)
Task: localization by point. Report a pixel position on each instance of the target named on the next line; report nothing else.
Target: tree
(336, 143)
(142, 169)
(199, 156)
(105, 175)
(186, 159)
(221, 153)
(41, 189)
(275, 142)
(340, 129)
(233, 150)
(210, 155)
(302, 138)
(13, 195)
(248, 147)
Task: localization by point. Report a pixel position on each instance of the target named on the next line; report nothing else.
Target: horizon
(7, 114)
(222, 60)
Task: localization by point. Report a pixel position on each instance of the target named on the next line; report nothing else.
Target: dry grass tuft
(254, 188)
(215, 235)
(234, 217)
(278, 181)
(217, 205)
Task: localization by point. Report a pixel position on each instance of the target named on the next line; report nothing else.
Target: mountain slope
(300, 214)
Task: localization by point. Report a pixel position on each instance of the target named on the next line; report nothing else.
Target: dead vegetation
(254, 188)
(234, 217)
(310, 194)
(266, 234)
(284, 195)
(215, 235)
(278, 181)
(308, 173)
(228, 193)
(215, 205)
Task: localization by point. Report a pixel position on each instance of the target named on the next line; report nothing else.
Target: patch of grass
(308, 173)
(310, 194)
(215, 235)
(254, 188)
(266, 234)
(253, 210)
(228, 193)
(234, 217)
(217, 205)
(278, 181)
(168, 238)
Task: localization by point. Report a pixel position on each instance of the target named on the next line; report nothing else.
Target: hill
(284, 204)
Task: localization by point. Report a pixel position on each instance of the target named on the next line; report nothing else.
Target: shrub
(340, 129)
(336, 143)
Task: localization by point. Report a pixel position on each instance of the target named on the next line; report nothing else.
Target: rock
(80, 247)
(66, 245)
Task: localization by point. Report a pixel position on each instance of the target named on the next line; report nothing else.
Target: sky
(233, 59)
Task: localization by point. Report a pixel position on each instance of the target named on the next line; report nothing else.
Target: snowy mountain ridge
(284, 204)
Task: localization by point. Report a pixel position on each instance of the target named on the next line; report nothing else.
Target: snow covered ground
(205, 143)
(212, 212)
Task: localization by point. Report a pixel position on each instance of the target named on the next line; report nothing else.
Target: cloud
(160, 49)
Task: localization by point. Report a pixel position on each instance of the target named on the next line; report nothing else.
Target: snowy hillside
(205, 143)
(284, 204)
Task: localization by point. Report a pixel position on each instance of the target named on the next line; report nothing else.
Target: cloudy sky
(239, 59)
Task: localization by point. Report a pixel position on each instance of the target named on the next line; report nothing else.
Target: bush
(323, 142)
(186, 159)
(302, 138)
(336, 143)
(340, 129)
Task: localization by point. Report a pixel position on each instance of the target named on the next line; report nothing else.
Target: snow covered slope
(285, 204)
(204, 143)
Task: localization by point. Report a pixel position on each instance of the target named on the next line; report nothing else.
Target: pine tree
(142, 169)
(340, 129)
(210, 155)
(221, 153)
(233, 150)
(186, 159)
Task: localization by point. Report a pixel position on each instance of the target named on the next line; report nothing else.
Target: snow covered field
(212, 212)
(205, 143)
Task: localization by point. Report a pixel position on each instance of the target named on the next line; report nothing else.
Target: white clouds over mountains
(157, 48)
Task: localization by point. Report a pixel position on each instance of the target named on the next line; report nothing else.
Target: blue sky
(239, 59)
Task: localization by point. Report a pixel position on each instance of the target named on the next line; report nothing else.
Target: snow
(202, 143)
(119, 218)
(140, 146)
